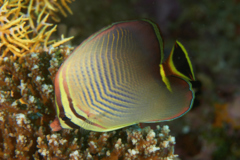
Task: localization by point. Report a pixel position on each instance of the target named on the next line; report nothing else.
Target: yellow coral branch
(54, 16)
(4, 6)
(61, 9)
(49, 5)
(37, 6)
(16, 53)
(62, 41)
(18, 8)
(24, 40)
(29, 14)
(22, 33)
(10, 24)
(40, 15)
(48, 34)
(66, 6)
(5, 52)
(8, 13)
(9, 45)
(16, 42)
(43, 23)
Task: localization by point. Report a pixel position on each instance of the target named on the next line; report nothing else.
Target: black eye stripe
(65, 119)
(68, 122)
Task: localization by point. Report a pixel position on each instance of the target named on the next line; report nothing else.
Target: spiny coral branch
(21, 33)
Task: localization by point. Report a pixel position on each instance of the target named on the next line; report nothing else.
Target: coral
(17, 140)
(27, 108)
(28, 64)
(122, 144)
(26, 99)
(45, 7)
(29, 80)
(23, 33)
(27, 102)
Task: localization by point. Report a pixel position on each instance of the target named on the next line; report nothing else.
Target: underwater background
(209, 30)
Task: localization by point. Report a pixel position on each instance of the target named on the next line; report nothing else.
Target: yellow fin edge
(172, 66)
(187, 57)
(164, 78)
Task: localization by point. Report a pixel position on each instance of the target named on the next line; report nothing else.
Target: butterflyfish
(119, 77)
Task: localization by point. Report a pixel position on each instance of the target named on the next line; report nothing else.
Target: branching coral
(124, 144)
(28, 80)
(154, 145)
(20, 34)
(49, 7)
(17, 140)
(26, 99)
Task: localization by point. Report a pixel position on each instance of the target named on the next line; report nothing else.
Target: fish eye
(65, 118)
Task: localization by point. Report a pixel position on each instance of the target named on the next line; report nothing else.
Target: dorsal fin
(177, 64)
(180, 63)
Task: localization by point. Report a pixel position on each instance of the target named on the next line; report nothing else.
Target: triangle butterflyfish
(119, 77)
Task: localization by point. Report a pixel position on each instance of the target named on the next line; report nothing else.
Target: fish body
(118, 77)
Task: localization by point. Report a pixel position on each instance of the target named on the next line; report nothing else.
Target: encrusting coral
(28, 64)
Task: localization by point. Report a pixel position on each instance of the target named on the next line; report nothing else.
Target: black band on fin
(182, 62)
